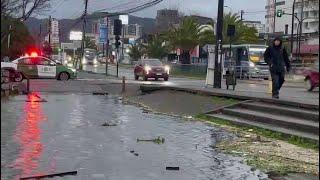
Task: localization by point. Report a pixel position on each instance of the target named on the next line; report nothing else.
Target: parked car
(312, 76)
(9, 72)
(38, 67)
(151, 68)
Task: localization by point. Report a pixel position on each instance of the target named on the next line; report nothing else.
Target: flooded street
(66, 134)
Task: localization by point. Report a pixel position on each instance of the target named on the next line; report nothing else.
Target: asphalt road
(298, 94)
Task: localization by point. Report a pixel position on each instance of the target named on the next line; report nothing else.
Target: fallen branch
(173, 168)
(50, 175)
(158, 140)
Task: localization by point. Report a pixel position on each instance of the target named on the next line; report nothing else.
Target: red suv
(151, 68)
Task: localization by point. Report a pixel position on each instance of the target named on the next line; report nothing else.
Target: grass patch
(223, 100)
(299, 141)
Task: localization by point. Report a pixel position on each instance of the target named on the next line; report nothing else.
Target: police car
(38, 67)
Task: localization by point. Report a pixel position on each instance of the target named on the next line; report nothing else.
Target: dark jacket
(277, 58)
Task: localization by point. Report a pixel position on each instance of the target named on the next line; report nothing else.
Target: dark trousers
(277, 82)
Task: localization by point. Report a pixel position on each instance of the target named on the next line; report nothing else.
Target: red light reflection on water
(28, 135)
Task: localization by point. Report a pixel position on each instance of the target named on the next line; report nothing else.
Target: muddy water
(65, 134)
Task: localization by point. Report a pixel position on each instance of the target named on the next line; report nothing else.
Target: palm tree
(135, 52)
(244, 34)
(186, 37)
(156, 48)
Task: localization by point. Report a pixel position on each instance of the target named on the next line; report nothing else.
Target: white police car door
(46, 68)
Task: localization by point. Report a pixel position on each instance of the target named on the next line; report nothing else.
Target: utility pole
(39, 36)
(83, 32)
(274, 16)
(218, 48)
(9, 36)
(241, 15)
(122, 44)
(300, 30)
(292, 26)
(49, 33)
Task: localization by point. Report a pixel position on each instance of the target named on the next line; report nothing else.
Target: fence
(191, 70)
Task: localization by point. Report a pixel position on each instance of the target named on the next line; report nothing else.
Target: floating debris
(50, 175)
(132, 151)
(136, 154)
(108, 124)
(100, 93)
(173, 168)
(158, 140)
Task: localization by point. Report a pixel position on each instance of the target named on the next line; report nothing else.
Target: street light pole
(274, 17)
(218, 48)
(300, 31)
(292, 25)
(83, 32)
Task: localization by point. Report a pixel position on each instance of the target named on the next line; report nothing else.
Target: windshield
(256, 54)
(153, 63)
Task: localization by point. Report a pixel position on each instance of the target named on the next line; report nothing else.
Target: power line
(123, 5)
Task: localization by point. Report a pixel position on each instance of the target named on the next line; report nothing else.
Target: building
(55, 32)
(166, 18)
(132, 31)
(257, 25)
(308, 11)
(202, 20)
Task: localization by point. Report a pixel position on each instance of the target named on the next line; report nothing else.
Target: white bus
(248, 60)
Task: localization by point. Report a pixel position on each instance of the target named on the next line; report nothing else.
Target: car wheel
(308, 84)
(18, 77)
(145, 78)
(64, 76)
(136, 77)
(166, 78)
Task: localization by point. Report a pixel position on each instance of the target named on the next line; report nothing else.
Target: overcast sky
(74, 8)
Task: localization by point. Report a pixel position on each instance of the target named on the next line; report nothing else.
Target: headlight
(251, 64)
(95, 61)
(167, 69)
(84, 61)
(147, 69)
(73, 70)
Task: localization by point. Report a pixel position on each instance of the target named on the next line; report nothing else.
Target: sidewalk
(300, 97)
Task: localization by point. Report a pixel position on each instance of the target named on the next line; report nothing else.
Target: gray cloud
(74, 8)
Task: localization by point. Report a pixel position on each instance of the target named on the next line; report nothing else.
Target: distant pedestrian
(277, 58)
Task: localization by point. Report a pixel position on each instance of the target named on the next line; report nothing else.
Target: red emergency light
(34, 54)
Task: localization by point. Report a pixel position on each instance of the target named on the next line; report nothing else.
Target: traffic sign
(103, 33)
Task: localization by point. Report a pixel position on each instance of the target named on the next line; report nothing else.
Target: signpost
(103, 39)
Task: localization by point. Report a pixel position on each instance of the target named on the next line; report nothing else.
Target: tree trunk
(185, 57)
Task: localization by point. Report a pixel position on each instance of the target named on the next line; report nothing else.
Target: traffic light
(279, 13)
(117, 43)
(117, 27)
(231, 31)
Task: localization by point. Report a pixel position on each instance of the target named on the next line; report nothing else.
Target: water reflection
(28, 135)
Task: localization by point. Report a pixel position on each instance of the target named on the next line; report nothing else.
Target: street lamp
(229, 8)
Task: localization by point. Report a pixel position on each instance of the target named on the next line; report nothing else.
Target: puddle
(65, 134)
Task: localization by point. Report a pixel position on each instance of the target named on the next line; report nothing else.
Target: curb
(150, 88)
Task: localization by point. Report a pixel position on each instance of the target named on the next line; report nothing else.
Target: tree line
(15, 37)
(190, 34)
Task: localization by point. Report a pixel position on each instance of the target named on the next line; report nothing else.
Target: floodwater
(66, 134)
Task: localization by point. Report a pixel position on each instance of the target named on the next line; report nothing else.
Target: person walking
(277, 58)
